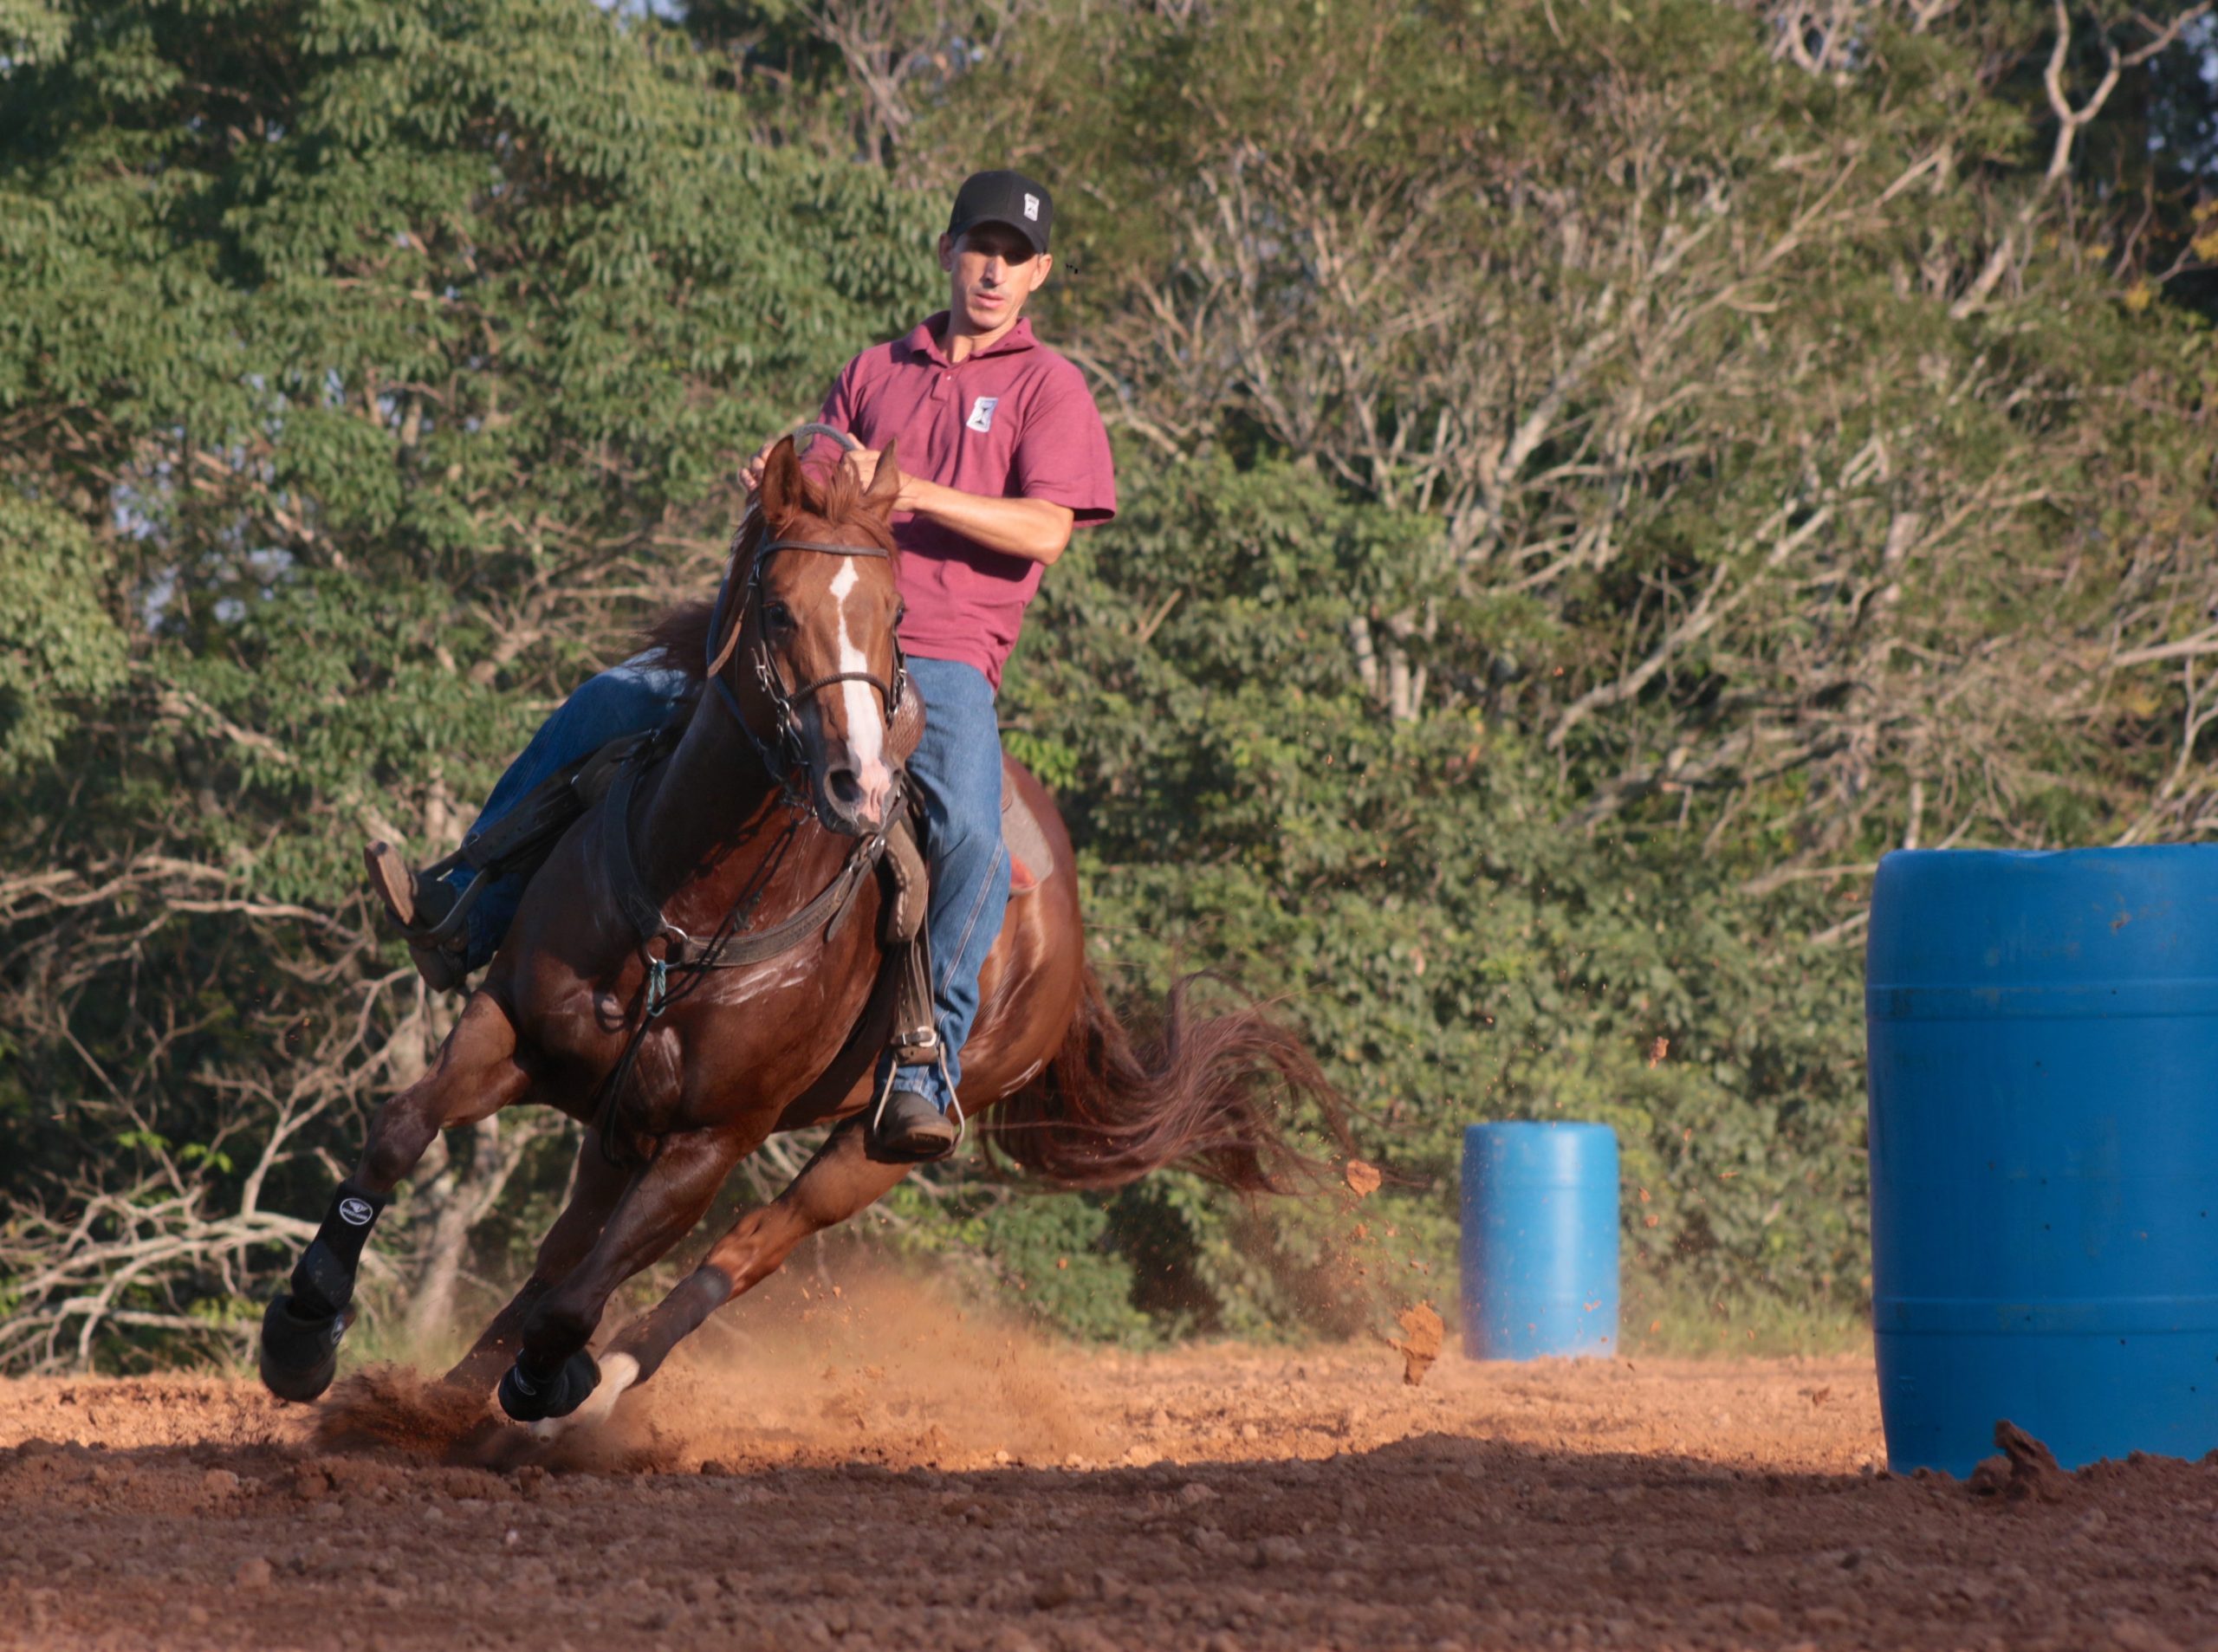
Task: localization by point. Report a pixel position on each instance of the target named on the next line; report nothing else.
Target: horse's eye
(777, 616)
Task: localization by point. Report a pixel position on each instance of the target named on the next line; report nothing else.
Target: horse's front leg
(594, 1191)
(840, 1182)
(474, 1076)
(553, 1373)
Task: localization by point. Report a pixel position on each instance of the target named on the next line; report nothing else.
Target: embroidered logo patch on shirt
(982, 414)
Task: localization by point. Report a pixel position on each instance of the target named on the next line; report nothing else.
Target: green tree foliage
(1595, 477)
(61, 647)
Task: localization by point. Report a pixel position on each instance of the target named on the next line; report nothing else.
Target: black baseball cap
(1004, 197)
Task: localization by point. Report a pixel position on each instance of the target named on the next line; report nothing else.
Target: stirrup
(443, 968)
(437, 948)
(444, 933)
(875, 1117)
(403, 889)
(909, 1151)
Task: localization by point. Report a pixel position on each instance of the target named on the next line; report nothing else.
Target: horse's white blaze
(618, 1372)
(865, 730)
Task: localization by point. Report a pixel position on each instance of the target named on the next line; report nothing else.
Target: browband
(819, 545)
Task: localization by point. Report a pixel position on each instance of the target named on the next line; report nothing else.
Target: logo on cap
(1032, 207)
(355, 1213)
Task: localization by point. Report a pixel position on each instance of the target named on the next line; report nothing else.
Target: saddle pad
(1031, 860)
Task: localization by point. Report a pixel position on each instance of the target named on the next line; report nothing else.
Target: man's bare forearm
(1031, 529)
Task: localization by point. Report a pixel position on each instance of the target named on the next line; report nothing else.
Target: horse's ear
(885, 483)
(781, 491)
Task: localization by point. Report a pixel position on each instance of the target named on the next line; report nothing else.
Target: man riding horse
(723, 940)
(1002, 454)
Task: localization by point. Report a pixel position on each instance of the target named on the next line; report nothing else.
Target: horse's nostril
(843, 787)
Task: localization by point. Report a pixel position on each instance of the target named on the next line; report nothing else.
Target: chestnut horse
(726, 836)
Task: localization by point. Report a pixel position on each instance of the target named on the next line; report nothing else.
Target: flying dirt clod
(1422, 1330)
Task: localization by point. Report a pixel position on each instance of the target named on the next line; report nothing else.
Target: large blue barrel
(2044, 1076)
(1539, 1240)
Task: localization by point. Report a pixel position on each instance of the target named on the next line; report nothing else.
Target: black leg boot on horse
(474, 1076)
(301, 1328)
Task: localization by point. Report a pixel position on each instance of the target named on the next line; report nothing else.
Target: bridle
(736, 943)
(784, 753)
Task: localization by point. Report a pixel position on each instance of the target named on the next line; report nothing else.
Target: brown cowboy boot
(906, 1129)
(416, 909)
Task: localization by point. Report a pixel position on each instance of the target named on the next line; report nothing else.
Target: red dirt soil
(883, 1477)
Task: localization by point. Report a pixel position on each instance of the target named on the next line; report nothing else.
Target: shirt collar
(923, 340)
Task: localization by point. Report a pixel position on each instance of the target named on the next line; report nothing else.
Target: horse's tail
(1205, 1092)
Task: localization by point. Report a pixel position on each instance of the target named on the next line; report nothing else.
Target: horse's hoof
(618, 1373)
(299, 1355)
(530, 1398)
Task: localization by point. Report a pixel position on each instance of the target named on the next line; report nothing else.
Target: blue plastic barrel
(1539, 1240)
(2044, 1084)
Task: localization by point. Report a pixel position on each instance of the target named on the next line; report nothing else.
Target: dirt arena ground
(877, 1479)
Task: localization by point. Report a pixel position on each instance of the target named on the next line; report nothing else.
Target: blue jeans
(957, 768)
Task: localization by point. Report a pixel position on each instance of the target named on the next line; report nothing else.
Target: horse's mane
(682, 631)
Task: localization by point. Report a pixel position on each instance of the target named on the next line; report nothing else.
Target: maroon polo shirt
(1015, 421)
